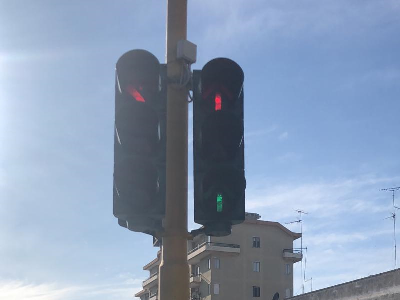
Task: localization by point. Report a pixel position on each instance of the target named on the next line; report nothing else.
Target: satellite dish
(276, 296)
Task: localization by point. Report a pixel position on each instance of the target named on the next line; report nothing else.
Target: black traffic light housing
(140, 142)
(218, 146)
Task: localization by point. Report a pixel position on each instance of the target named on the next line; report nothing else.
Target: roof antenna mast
(393, 216)
(300, 221)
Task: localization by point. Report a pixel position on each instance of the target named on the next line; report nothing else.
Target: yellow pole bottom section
(174, 269)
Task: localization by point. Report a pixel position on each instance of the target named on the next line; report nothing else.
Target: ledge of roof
(294, 235)
(142, 292)
(153, 262)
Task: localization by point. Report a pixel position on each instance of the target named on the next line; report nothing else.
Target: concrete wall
(236, 276)
(153, 270)
(384, 286)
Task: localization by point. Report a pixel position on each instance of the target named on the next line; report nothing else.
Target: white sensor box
(187, 51)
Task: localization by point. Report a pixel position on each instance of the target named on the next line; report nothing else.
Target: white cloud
(40, 55)
(261, 132)
(129, 278)
(2, 177)
(283, 136)
(384, 76)
(289, 157)
(341, 265)
(325, 198)
(327, 240)
(20, 290)
(344, 230)
(229, 23)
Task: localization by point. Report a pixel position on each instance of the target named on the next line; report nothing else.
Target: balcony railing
(293, 250)
(202, 250)
(194, 280)
(213, 244)
(293, 254)
(150, 280)
(153, 296)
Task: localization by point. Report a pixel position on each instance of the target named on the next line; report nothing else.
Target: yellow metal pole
(174, 268)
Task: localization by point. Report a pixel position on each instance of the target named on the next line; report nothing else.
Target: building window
(209, 289)
(256, 266)
(216, 288)
(287, 269)
(288, 293)
(256, 291)
(198, 270)
(217, 263)
(256, 242)
(209, 263)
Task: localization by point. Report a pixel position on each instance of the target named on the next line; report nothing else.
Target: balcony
(151, 281)
(154, 262)
(202, 250)
(195, 296)
(141, 293)
(153, 296)
(195, 281)
(293, 255)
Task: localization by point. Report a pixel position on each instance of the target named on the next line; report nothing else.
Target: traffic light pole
(174, 268)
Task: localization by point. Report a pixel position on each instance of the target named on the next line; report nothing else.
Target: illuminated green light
(219, 202)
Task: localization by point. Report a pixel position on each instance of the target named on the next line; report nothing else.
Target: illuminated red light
(218, 102)
(135, 93)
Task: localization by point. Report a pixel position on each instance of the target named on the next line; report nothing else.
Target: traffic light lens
(135, 93)
(222, 136)
(136, 179)
(137, 120)
(219, 203)
(217, 98)
(222, 187)
(218, 102)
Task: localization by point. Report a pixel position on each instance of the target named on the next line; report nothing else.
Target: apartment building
(254, 262)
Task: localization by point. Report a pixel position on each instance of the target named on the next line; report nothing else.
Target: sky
(322, 106)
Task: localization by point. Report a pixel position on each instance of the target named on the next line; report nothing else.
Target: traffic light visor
(221, 84)
(137, 74)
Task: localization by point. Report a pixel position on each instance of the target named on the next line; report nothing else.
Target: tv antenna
(392, 189)
(305, 268)
(393, 216)
(300, 221)
(310, 279)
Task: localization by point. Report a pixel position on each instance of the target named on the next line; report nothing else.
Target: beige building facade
(254, 262)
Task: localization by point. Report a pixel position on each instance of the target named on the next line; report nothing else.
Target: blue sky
(322, 86)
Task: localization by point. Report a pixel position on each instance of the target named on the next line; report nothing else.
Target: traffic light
(218, 146)
(140, 142)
